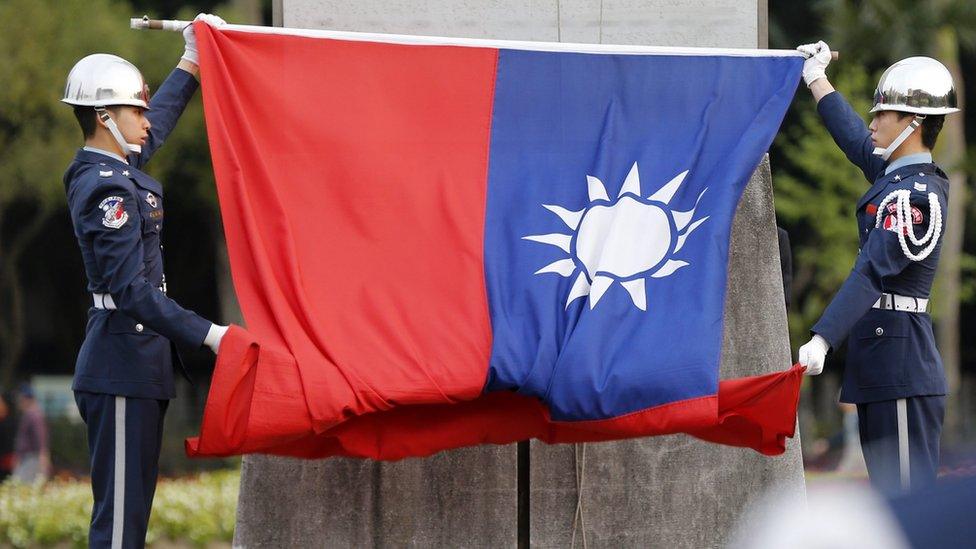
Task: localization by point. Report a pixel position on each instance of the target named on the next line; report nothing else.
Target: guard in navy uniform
(124, 374)
(894, 373)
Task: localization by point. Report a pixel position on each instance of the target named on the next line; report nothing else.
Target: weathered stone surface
(662, 492)
(464, 498)
(705, 23)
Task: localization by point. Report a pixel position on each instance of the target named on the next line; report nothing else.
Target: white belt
(104, 301)
(895, 302)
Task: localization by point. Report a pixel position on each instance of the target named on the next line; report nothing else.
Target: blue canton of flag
(613, 181)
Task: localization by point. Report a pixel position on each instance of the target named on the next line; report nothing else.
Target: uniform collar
(90, 155)
(908, 160)
(140, 178)
(112, 155)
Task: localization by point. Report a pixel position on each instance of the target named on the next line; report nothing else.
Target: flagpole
(145, 23)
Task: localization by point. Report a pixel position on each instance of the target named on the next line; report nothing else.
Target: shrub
(196, 510)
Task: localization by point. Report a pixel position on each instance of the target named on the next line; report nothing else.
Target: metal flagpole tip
(145, 22)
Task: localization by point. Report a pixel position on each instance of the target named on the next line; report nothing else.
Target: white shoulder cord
(903, 216)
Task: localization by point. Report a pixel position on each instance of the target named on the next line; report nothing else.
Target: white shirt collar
(106, 153)
(908, 160)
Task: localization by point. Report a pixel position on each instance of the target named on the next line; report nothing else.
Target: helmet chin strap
(886, 153)
(127, 148)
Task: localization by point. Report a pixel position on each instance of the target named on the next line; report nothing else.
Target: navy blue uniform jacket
(117, 214)
(891, 354)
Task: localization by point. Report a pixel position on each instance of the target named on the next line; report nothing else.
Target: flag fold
(436, 246)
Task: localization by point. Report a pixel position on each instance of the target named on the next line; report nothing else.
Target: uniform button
(157, 226)
(139, 328)
(878, 331)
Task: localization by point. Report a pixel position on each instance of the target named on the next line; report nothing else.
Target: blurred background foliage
(194, 511)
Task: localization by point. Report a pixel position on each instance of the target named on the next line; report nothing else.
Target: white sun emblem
(626, 240)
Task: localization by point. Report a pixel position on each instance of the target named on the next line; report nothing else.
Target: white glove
(191, 54)
(812, 355)
(818, 57)
(214, 335)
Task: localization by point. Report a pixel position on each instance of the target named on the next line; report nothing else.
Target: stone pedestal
(671, 491)
(464, 498)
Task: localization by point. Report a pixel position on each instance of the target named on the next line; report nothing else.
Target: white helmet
(918, 85)
(103, 80)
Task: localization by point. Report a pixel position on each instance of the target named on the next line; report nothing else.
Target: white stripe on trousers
(904, 466)
(118, 500)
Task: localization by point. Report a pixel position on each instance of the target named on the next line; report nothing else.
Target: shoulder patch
(904, 215)
(105, 173)
(115, 215)
(891, 220)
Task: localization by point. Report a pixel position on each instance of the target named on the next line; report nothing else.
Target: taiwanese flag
(439, 244)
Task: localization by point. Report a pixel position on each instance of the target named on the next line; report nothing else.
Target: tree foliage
(879, 32)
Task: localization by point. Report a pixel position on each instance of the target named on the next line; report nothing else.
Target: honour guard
(124, 373)
(894, 373)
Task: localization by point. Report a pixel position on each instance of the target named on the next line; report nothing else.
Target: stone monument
(670, 491)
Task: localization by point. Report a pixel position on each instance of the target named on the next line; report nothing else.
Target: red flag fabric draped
(371, 339)
(257, 405)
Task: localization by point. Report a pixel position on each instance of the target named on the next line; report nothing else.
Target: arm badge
(114, 212)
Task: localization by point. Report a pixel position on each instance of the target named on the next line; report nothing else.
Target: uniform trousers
(124, 440)
(900, 441)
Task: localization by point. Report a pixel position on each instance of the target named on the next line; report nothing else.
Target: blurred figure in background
(841, 452)
(6, 437)
(785, 262)
(851, 458)
(30, 443)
